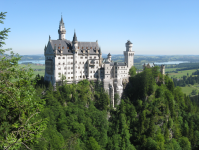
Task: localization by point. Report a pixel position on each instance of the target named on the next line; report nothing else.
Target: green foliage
(92, 144)
(132, 71)
(19, 109)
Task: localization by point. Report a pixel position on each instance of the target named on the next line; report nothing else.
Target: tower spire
(74, 37)
(62, 30)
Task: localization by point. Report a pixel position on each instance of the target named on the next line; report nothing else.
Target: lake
(33, 61)
(157, 63)
(170, 62)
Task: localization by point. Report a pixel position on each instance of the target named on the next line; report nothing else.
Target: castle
(83, 60)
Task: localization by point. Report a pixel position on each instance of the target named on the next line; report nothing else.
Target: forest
(154, 114)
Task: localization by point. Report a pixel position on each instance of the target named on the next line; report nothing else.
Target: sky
(155, 27)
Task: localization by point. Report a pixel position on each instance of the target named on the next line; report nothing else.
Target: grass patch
(41, 72)
(188, 89)
(180, 74)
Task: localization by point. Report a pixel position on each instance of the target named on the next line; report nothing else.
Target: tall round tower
(62, 30)
(129, 54)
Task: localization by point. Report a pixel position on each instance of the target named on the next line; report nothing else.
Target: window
(65, 72)
(82, 47)
(71, 72)
(81, 57)
(91, 47)
(58, 63)
(65, 68)
(68, 72)
(78, 67)
(86, 47)
(68, 67)
(68, 63)
(91, 72)
(79, 62)
(85, 57)
(58, 57)
(78, 47)
(59, 73)
(67, 47)
(83, 62)
(94, 71)
(71, 67)
(75, 61)
(71, 57)
(95, 57)
(63, 63)
(68, 77)
(63, 57)
(71, 62)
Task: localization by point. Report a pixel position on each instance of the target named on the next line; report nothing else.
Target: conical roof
(62, 22)
(74, 37)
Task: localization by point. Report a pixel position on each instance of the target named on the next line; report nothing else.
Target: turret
(129, 46)
(75, 42)
(109, 57)
(62, 30)
(75, 60)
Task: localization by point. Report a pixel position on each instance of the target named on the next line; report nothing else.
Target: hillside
(152, 115)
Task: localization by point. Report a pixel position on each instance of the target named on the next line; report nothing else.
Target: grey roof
(112, 64)
(109, 54)
(128, 42)
(82, 46)
(119, 64)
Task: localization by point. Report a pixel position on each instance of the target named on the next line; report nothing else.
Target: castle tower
(109, 57)
(75, 58)
(162, 69)
(62, 30)
(129, 55)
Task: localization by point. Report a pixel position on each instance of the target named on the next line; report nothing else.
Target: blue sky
(159, 27)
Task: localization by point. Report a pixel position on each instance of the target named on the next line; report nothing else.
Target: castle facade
(77, 61)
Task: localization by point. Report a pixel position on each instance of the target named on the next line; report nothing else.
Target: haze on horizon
(154, 27)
